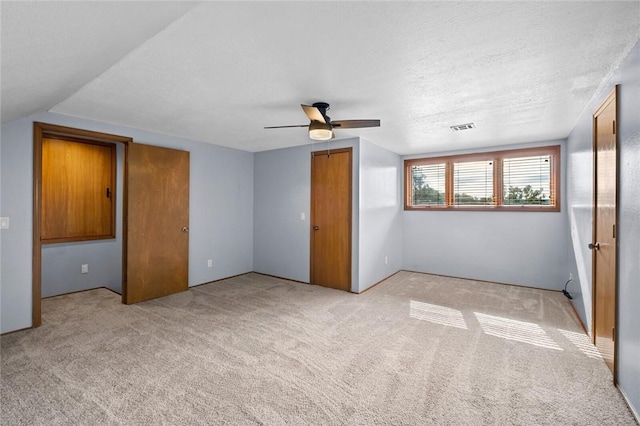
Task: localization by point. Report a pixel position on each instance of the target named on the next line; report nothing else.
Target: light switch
(4, 223)
(302, 216)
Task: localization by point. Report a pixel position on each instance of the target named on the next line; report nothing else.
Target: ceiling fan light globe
(320, 134)
(320, 131)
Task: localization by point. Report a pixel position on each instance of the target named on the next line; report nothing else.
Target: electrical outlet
(4, 223)
(570, 275)
(210, 263)
(386, 260)
(303, 216)
(84, 269)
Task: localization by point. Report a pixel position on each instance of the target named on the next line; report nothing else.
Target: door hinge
(614, 230)
(108, 193)
(614, 127)
(613, 334)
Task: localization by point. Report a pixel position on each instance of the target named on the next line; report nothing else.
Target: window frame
(496, 156)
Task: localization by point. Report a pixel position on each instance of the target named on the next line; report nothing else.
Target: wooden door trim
(36, 262)
(125, 218)
(41, 130)
(350, 244)
(611, 97)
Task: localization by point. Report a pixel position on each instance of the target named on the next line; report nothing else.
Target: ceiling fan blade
(313, 113)
(283, 127)
(353, 124)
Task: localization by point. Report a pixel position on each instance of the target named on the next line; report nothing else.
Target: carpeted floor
(414, 350)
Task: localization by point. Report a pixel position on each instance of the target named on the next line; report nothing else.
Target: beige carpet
(415, 350)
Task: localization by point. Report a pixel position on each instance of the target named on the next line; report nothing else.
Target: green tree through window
(526, 196)
(423, 193)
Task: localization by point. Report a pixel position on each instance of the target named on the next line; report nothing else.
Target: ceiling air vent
(459, 127)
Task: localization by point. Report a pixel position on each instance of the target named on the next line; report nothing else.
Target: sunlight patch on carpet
(520, 331)
(437, 314)
(582, 342)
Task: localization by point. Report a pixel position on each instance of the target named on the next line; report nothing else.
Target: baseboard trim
(280, 278)
(16, 331)
(626, 400)
(246, 273)
(482, 281)
(303, 282)
(218, 280)
(82, 291)
(379, 282)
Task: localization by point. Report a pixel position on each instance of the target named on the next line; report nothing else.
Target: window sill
(549, 209)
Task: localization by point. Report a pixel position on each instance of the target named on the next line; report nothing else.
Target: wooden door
(604, 229)
(78, 190)
(157, 215)
(331, 219)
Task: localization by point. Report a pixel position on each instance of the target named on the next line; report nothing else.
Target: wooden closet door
(157, 217)
(331, 219)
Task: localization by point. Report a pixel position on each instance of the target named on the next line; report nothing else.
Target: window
(473, 183)
(515, 180)
(428, 184)
(526, 180)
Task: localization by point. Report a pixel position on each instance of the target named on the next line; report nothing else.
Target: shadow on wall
(581, 214)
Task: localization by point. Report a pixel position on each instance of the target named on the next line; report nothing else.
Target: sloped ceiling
(52, 49)
(218, 72)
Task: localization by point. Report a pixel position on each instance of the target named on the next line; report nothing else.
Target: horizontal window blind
(428, 184)
(473, 183)
(523, 180)
(527, 181)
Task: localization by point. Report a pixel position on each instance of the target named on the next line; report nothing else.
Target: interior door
(604, 230)
(157, 215)
(331, 219)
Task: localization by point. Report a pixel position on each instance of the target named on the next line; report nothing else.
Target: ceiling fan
(321, 127)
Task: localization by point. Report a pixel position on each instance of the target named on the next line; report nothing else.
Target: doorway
(604, 246)
(42, 131)
(157, 183)
(331, 205)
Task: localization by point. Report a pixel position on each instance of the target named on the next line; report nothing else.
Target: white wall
(521, 248)
(220, 210)
(380, 214)
(17, 190)
(281, 195)
(580, 188)
(282, 188)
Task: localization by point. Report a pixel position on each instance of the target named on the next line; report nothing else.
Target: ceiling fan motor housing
(323, 107)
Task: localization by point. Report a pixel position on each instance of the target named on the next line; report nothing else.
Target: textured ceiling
(51, 49)
(218, 72)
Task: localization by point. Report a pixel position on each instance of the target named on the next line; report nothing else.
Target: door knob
(315, 228)
(185, 229)
(594, 246)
